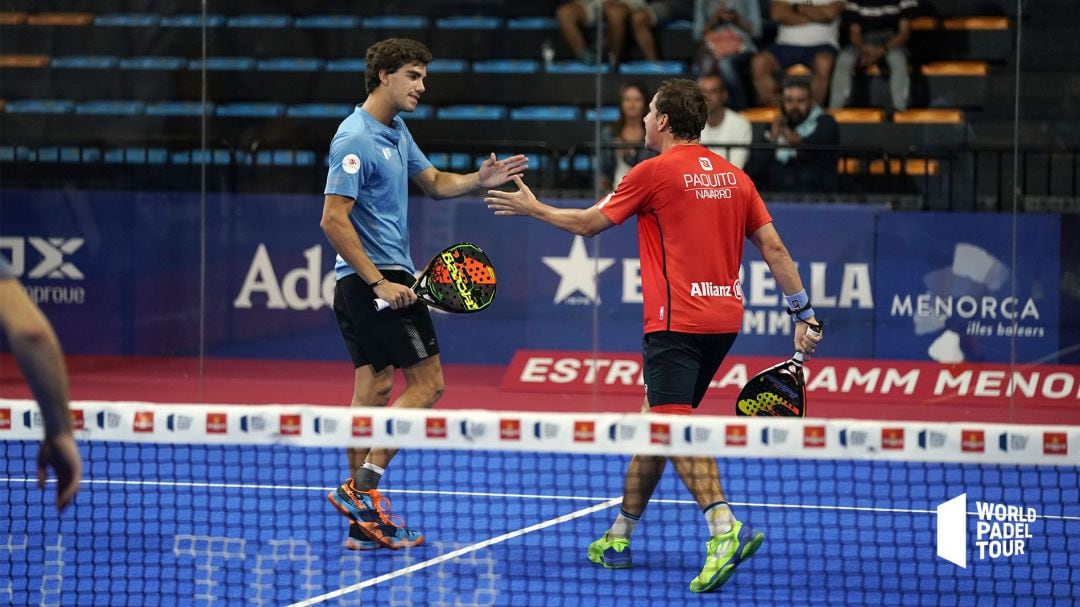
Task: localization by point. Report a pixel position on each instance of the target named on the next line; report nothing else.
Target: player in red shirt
(694, 210)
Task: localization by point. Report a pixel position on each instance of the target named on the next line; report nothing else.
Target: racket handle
(381, 304)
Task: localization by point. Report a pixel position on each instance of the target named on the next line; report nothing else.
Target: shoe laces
(382, 508)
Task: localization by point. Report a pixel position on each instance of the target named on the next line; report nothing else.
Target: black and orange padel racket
(459, 279)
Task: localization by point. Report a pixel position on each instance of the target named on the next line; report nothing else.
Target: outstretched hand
(494, 172)
(60, 453)
(521, 202)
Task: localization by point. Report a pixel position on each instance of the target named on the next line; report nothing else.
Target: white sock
(624, 524)
(720, 518)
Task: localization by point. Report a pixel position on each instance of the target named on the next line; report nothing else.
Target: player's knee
(762, 64)
(641, 19)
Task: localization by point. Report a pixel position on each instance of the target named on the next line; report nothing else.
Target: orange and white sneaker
(371, 513)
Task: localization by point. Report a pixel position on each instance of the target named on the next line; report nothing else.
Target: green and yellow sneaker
(611, 552)
(725, 552)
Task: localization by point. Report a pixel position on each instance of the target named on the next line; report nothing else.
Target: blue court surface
(243, 525)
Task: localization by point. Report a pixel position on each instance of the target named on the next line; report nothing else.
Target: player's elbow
(586, 230)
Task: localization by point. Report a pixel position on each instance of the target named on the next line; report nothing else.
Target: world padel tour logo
(1002, 531)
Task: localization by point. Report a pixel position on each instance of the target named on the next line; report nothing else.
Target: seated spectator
(879, 32)
(808, 32)
(801, 123)
(726, 132)
(576, 14)
(628, 129)
(729, 28)
(654, 14)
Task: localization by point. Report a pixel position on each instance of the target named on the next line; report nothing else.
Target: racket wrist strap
(798, 305)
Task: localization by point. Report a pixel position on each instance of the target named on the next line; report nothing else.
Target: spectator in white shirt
(726, 131)
(807, 33)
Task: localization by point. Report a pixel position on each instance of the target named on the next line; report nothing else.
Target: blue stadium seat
(40, 106)
(153, 63)
(48, 154)
(506, 66)
(320, 110)
(328, 22)
(110, 108)
(128, 20)
(582, 162)
(236, 64)
(7, 153)
(472, 112)
(653, 68)
(210, 157)
(571, 66)
(545, 112)
(192, 20)
(250, 110)
(474, 22)
(70, 154)
(450, 161)
(679, 24)
(422, 112)
(346, 65)
(285, 157)
(414, 22)
(531, 23)
(607, 114)
(290, 64)
(85, 62)
(177, 108)
(448, 66)
(259, 21)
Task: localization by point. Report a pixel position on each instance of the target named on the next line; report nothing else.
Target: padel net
(226, 505)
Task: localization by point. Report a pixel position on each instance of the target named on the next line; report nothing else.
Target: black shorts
(680, 366)
(400, 338)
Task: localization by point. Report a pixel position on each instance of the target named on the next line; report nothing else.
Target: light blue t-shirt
(372, 163)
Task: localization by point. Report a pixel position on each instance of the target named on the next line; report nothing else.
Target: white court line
(591, 498)
(456, 553)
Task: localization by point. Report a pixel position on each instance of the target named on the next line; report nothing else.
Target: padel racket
(779, 391)
(459, 279)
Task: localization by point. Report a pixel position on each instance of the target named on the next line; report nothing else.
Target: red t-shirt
(694, 212)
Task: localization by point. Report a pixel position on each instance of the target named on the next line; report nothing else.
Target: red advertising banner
(828, 379)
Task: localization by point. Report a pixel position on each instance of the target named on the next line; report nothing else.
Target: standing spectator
(729, 28)
(879, 34)
(577, 14)
(654, 14)
(37, 350)
(800, 123)
(808, 32)
(726, 132)
(629, 130)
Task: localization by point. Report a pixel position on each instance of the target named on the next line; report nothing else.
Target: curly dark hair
(685, 106)
(390, 55)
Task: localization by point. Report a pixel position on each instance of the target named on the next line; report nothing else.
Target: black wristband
(377, 283)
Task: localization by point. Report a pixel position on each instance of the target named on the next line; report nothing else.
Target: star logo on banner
(577, 271)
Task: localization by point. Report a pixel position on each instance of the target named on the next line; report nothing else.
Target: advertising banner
(124, 273)
(951, 289)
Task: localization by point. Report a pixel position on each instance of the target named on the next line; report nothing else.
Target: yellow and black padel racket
(779, 391)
